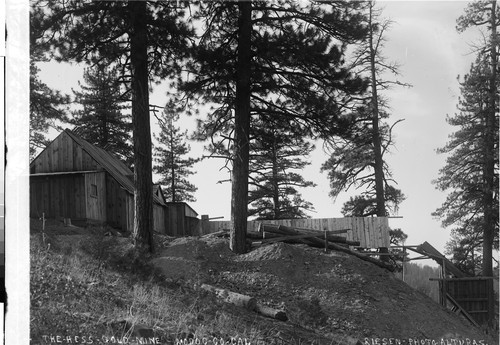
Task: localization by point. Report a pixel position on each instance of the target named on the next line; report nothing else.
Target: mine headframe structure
(472, 297)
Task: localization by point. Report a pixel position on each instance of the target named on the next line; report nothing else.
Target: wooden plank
(77, 159)
(285, 238)
(69, 157)
(359, 233)
(369, 231)
(364, 223)
(323, 224)
(374, 232)
(426, 249)
(344, 223)
(379, 241)
(102, 195)
(70, 197)
(473, 299)
(354, 234)
(386, 236)
(65, 163)
(364, 240)
(462, 310)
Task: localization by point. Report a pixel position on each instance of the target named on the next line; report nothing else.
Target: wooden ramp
(466, 295)
(428, 250)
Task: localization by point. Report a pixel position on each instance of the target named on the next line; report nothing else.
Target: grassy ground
(88, 288)
(95, 289)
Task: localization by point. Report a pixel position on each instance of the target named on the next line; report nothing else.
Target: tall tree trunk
(489, 167)
(377, 143)
(143, 200)
(239, 206)
(276, 190)
(172, 166)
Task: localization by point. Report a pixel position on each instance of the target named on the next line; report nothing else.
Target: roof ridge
(110, 163)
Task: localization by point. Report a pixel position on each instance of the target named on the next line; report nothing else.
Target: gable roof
(157, 190)
(114, 166)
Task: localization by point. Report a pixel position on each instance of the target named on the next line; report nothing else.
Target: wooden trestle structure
(473, 297)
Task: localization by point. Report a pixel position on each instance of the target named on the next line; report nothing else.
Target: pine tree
(102, 121)
(147, 41)
(47, 108)
(480, 14)
(171, 161)
(269, 61)
(275, 160)
(357, 160)
(365, 205)
(464, 174)
(470, 175)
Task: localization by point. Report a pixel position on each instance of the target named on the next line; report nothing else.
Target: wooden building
(74, 179)
(182, 220)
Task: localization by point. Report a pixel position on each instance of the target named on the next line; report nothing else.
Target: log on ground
(235, 298)
(271, 312)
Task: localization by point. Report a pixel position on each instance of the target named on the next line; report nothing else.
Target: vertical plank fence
(371, 232)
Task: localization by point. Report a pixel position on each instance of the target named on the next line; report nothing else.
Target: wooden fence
(371, 232)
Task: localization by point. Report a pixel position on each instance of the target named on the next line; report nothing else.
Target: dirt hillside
(335, 295)
(86, 283)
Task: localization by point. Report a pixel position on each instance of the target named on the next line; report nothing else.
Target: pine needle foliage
(102, 120)
(276, 162)
(171, 161)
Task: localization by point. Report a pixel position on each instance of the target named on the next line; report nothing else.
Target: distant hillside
(417, 276)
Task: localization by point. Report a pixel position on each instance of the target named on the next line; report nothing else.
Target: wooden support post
(491, 302)
(326, 241)
(204, 224)
(404, 260)
(444, 286)
(43, 221)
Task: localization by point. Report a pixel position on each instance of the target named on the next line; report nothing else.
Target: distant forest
(417, 277)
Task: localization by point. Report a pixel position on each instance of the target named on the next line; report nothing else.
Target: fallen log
(247, 302)
(235, 298)
(271, 312)
(270, 230)
(316, 242)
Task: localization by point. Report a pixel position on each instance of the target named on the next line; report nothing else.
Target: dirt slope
(333, 295)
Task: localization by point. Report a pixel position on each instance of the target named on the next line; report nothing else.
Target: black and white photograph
(251, 172)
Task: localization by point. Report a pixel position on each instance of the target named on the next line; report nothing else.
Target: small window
(93, 190)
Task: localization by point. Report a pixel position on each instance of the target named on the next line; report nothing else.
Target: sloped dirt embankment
(333, 295)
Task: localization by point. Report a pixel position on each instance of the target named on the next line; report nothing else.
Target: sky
(431, 53)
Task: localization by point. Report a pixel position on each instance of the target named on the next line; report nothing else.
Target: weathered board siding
(190, 212)
(175, 223)
(159, 215)
(129, 205)
(472, 295)
(63, 154)
(96, 202)
(73, 179)
(159, 218)
(116, 204)
(181, 220)
(58, 196)
(371, 232)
